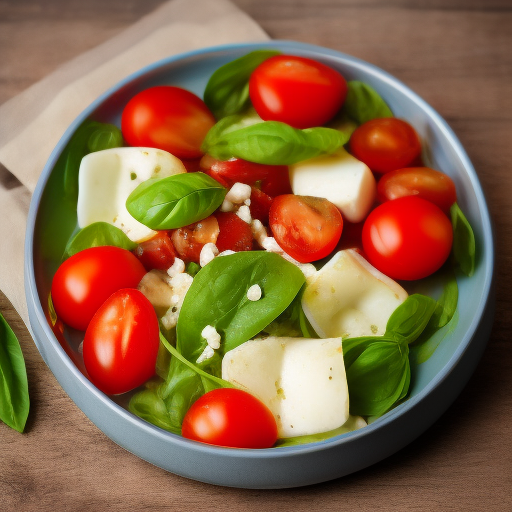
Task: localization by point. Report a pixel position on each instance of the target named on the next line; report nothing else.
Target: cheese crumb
(238, 193)
(207, 353)
(176, 268)
(227, 206)
(244, 213)
(208, 253)
(227, 252)
(269, 244)
(212, 337)
(259, 232)
(180, 284)
(254, 293)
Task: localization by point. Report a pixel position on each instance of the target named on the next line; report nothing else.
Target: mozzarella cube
(348, 297)
(302, 381)
(106, 179)
(342, 179)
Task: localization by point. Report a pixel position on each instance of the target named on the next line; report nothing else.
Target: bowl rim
(305, 49)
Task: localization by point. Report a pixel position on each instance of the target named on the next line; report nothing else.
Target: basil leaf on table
(227, 91)
(14, 398)
(464, 246)
(98, 234)
(175, 201)
(363, 103)
(270, 142)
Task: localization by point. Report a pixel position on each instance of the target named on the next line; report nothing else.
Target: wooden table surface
(456, 54)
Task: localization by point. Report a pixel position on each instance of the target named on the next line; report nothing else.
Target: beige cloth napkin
(32, 123)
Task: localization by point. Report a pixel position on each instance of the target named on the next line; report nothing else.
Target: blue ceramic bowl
(435, 383)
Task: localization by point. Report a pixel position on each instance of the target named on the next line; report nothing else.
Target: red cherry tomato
(230, 417)
(189, 240)
(85, 280)
(157, 252)
(385, 144)
(298, 91)
(408, 238)
(121, 343)
(168, 118)
(260, 205)
(307, 228)
(273, 179)
(235, 234)
(434, 186)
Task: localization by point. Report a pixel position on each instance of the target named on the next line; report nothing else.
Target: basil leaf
(270, 142)
(218, 297)
(98, 234)
(192, 268)
(364, 103)
(149, 405)
(14, 399)
(175, 201)
(464, 246)
(409, 319)
(227, 91)
(106, 136)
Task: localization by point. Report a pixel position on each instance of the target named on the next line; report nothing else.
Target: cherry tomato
(189, 240)
(121, 342)
(273, 179)
(307, 228)
(168, 118)
(298, 91)
(235, 234)
(230, 417)
(85, 280)
(385, 144)
(260, 205)
(434, 186)
(157, 252)
(408, 238)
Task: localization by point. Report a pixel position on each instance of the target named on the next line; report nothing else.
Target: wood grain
(456, 55)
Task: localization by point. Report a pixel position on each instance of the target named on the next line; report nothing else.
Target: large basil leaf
(227, 91)
(464, 246)
(364, 103)
(175, 201)
(105, 136)
(270, 142)
(218, 297)
(98, 234)
(14, 399)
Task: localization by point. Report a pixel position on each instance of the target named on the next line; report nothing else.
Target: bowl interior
(56, 213)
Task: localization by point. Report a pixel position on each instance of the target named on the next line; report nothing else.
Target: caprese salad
(241, 263)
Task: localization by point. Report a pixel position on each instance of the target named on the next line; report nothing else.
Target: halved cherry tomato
(385, 144)
(307, 228)
(434, 186)
(121, 342)
(408, 238)
(260, 205)
(235, 234)
(298, 91)
(273, 179)
(230, 417)
(85, 280)
(168, 118)
(157, 252)
(189, 240)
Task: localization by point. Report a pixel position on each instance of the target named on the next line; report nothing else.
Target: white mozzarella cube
(106, 179)
(349, 297)
(342, 179)
(302, 381)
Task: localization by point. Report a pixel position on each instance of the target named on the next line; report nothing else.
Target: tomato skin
(232, 418)
(157, 252)
(168, 118)
(434, 186)
(85, 280)
(307, 228)
(385, 144)
(121, 343)
(260, 205)
(235, 234)
(295, 90)
(408, 238)
(189, 240)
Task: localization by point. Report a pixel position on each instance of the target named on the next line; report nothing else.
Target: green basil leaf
(218, 297)
(106, 136)
(364, 103)
(14, 398)
(227, 91)
(270, 142)
(192, 268)
(409, 319)
(149, 405)
(464, 246)
(98, 234)
(175, 201)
